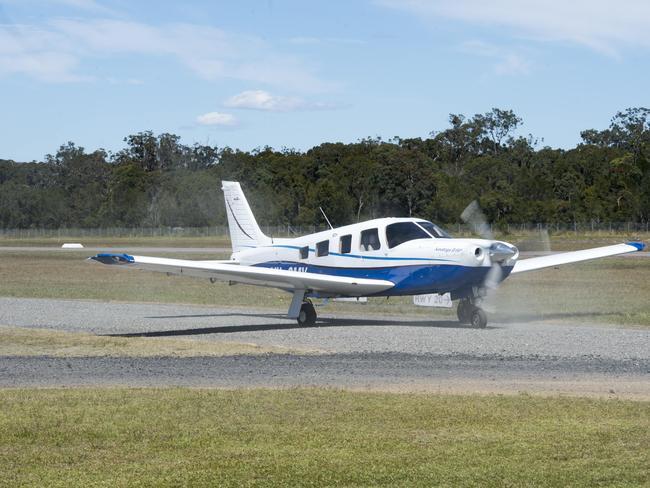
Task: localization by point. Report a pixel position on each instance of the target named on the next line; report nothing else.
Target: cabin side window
(304, 252)
(370, 240)
(345, 244)
(323, 248)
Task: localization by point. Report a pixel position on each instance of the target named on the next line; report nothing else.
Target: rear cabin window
(434, 230)
(402, 232)
(370, 240)
(304, 252)
(322, 248)
(345, 245)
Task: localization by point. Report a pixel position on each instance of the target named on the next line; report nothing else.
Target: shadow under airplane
(322, 322)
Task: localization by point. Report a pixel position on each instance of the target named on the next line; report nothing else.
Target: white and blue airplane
(377, 258)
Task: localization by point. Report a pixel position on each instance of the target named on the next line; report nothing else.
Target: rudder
(244, 231)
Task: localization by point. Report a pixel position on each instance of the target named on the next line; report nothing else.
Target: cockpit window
(434, 230)
(402, 232)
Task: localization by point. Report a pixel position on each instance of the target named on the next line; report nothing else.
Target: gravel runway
(388, 353)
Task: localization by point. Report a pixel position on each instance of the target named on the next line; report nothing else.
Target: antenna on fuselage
(328, 220)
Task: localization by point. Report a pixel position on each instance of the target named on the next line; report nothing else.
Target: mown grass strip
(573, 293)
(310, 437)
(18, 341)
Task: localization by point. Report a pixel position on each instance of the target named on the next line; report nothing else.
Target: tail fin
(244, 231)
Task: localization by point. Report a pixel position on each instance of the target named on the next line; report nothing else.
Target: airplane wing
(575, 256)
(253, 275)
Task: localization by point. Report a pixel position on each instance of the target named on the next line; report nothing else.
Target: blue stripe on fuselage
(408, 279)
(362, 256)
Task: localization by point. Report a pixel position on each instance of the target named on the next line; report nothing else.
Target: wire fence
(597, 228)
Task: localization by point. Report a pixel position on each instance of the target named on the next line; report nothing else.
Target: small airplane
(377, 258)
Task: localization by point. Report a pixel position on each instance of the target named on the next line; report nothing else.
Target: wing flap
(540, 262)
(253, 275)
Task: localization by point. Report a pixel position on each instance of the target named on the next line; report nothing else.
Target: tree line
(155, 180)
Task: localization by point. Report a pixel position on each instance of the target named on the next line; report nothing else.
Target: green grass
(612, 290)
(562, 241)
(131, 241)
(179, 437)
(17, 341)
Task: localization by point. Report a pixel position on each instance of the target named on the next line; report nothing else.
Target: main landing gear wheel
(307, 315)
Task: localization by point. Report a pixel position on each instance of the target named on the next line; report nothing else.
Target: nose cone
(501, 252)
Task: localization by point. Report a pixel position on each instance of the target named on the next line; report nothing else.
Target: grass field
(135, 241)
(526, 241)
(612, 290)
(178, 437)
(17, 341)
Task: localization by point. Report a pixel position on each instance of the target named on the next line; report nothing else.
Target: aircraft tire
(463, 311)
(478, 318)
(307, 315)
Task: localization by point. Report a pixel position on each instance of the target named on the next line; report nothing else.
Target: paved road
(395, 353)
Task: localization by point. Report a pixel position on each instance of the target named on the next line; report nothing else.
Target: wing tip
(640, 246)
(109, 258)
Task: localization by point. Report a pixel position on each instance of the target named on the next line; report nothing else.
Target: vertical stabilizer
(244, 231)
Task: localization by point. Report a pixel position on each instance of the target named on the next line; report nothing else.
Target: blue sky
(294, 74)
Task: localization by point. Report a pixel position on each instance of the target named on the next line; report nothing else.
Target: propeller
(499, 252)
(536, 242)
(474, 216)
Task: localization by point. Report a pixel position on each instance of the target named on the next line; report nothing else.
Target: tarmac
(387, 353)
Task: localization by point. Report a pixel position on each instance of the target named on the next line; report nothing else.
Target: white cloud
(37, 53)
(83, 4)
(601, 25)
(209, 52)
(263, 100)
(506, 61)
(128, 81)
(79, 6)
(216, 118)
(325, 40)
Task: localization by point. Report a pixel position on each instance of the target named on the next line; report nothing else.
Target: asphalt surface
(387, 353)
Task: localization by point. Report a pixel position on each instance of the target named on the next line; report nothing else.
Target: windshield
(434, 230)
(401, 232)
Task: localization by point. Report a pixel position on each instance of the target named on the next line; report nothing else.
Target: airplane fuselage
(417, 262)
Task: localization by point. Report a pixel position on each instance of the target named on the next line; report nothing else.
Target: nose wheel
(307, 315)
(470, 313)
